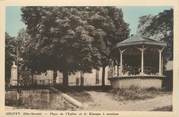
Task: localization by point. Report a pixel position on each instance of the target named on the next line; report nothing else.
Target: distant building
(43, 78)
(89, 79)
(168, 81)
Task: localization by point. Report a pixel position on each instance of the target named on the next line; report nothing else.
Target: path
(102, 101)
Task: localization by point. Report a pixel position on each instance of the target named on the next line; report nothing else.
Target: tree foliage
(159, 27)
(72, 38)
(112, 29)
(15, 48)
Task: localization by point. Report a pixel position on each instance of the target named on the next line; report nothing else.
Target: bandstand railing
(133, 71)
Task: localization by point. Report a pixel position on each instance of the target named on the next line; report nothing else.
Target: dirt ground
(102, 101)
(106, 101)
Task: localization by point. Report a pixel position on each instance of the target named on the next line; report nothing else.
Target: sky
(131, 16)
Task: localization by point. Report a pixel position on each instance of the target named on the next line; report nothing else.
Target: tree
(111, 30)
(144, 22)
(22, 40)
(62, 40)
(159, 27)
(70, 39)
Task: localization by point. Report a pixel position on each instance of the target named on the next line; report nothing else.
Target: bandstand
(140, 63)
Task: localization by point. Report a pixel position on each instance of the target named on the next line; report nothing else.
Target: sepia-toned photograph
(89, 58)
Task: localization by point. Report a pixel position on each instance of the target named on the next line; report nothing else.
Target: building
(168, 81)
(89, 79)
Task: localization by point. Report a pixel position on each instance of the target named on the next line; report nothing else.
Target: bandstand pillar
(121, 65)
(121, 62)
(142, 59)
(160, 61)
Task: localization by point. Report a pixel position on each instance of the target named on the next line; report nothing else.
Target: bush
(134, 93)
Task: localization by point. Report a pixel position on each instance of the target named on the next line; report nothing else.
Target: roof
(140, 40)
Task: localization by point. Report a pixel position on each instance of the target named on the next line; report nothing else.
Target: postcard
(89, 58)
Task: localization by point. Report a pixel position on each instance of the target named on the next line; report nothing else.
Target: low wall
(43, 99)
(141, 82)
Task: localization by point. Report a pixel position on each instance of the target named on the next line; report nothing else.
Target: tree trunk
(117, 70)
(97, 76)
(54, 76)
(103, 76)
(32, 78)
(65, 78)
(82, 79)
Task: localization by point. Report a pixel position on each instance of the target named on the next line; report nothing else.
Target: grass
(135, 93)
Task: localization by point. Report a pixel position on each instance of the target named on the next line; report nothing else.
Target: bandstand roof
(140, 40)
